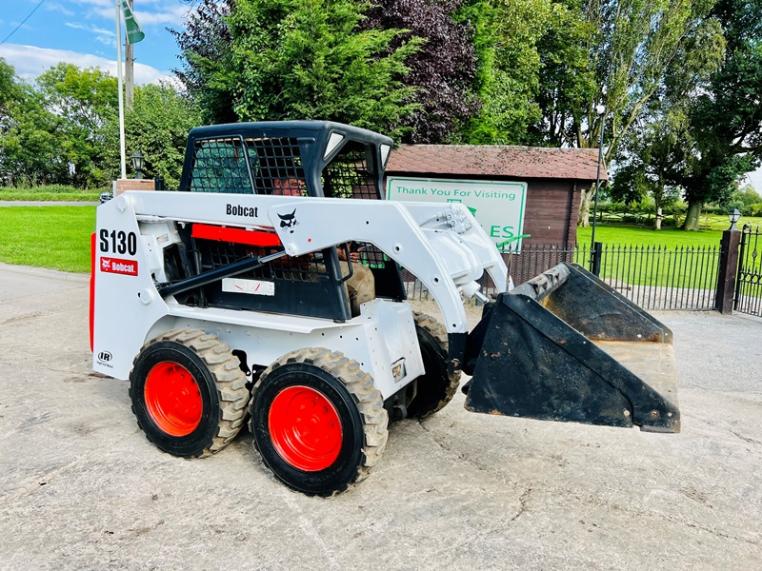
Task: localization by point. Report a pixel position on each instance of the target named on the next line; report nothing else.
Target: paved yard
(82, 488)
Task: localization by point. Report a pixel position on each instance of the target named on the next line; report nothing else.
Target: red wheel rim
(173, 399)
(305, 428)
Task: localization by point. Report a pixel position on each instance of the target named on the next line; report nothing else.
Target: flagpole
(122, 148)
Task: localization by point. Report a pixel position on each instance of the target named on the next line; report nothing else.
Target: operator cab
(287, 158)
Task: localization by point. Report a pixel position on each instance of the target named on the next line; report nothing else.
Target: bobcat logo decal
(288, 220)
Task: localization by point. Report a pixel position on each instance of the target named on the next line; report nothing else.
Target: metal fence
(748, 294)
(654, 277)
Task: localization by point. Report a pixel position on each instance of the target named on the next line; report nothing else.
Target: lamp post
(137, 164)
(601, 110)
(734, 216)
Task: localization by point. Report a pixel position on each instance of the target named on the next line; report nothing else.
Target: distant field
(50, 193)
(637, 255)
(633, 235)
(625, 234)
(47, 236)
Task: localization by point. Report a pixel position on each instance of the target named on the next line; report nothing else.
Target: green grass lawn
(50, 193)
(668, 257)
(710, 234)
(55, 237)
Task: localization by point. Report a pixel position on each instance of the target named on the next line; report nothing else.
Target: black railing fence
(654, 277)
(748, 294)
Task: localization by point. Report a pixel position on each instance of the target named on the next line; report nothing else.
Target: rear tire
(318, 421)
(188, 393)
(436, 387)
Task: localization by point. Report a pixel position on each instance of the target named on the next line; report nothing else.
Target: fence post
(595, 258)
(726, 275)
(741, 248)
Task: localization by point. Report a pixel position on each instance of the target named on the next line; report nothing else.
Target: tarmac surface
(83, 489)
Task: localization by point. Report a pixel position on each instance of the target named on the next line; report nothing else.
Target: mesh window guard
(220, 166)
(349, 175)
(276, 165)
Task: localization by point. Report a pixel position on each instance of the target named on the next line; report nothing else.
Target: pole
(129, 70)
(597, 184)
(122, 148)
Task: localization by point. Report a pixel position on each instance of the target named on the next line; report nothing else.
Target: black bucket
(565, 346)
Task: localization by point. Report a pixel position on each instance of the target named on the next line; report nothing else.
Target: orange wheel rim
(173, 399)
(305, 428)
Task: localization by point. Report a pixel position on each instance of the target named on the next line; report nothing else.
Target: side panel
(126, 301)
(382, 336)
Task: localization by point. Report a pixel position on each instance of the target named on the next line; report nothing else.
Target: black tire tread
(359, 384)
(434, 328)
(230, 382)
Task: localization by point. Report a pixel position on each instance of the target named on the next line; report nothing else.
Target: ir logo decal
(104, 359)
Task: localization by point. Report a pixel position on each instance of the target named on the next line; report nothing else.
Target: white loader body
(442, 245)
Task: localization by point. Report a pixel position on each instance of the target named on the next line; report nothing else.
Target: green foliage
(30, 144)
(64, 130)
(304, 59)
(49, 193)
(9, 89)
(84, 99)
(655, 151)
(726, 118)
(157, 126)
(507, 78)
(567, 76)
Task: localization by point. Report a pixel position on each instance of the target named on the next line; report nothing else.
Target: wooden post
(726, 278)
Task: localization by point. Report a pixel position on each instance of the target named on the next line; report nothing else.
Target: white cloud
(58, 7)
(31, 61)
(102, 35)
(162, 12)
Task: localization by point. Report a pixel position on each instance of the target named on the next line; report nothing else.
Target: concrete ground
(83, 489)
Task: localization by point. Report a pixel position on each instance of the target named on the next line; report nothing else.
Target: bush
(48, 189)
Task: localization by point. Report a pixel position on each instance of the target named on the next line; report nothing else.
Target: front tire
(188, 393)
(436, 387)
(318, 422)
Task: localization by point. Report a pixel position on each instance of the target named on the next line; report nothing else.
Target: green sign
(498, 206)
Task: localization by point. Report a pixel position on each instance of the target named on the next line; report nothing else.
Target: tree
(726, 117)
(297, 59)
(567, 76)
(31, 145)
(84, 100)
(157, 126)
(205, 44)
(441, 71)
(9, 88)
(655, 152)
(632, 46)
(507, 78)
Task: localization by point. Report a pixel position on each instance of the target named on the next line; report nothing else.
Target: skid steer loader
(269, 288)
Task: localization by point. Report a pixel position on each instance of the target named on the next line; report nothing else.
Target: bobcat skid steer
(269, 288)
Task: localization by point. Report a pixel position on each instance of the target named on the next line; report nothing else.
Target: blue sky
(82, 32)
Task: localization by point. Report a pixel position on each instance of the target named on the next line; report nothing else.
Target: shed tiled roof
(496, 160)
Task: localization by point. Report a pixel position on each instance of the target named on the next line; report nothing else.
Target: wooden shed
(554, 178)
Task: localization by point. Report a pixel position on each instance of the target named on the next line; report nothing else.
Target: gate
(748, 297)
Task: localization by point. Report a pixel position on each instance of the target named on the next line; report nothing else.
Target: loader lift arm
(442, 245)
